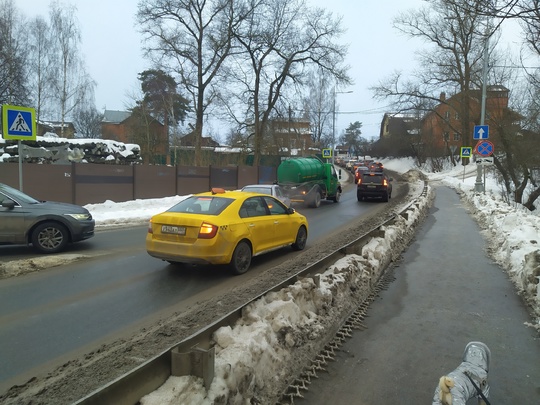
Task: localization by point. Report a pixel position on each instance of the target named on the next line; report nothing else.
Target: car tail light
(207, 231)
(359, 180)
(385, 182)
(150, 227)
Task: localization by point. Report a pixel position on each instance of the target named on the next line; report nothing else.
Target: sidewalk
(447, 292)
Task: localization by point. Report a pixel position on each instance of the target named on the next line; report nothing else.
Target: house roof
(115, 116)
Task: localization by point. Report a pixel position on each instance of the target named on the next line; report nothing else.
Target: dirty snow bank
(281, 332)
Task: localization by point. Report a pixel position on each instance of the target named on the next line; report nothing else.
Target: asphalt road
(50, 317)
(447, 293)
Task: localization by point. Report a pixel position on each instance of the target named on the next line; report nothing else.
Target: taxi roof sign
(18, 123)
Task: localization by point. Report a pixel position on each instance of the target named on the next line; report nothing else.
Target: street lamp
(334, 123)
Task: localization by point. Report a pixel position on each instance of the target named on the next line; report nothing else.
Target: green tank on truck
(309, 180)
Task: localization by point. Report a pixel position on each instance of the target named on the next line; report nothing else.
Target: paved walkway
(447, 293)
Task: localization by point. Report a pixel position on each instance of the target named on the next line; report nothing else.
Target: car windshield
(207, 205)
(14, 194)
(261, 190)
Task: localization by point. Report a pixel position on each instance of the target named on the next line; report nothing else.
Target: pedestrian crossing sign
(327, 153)
(18, 123)
(466, 151)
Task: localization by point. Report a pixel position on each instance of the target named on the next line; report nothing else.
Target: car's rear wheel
(316, 198)
(50, 237)
(385, 197)
(301, 239)
(241, 259)
(337, 197)
(359, 197)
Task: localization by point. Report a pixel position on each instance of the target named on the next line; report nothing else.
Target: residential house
(442, 128)
(147, 132)
(294, 134)
(68, 131)
(189, 141)
(400, 124)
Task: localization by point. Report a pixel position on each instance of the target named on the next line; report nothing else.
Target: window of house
(456, 136)
(446, 136)
(457, 116)
(447, 114)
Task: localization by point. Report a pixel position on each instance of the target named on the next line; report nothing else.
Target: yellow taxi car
(225, 227)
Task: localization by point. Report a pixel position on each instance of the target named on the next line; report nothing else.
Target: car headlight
(80, 217)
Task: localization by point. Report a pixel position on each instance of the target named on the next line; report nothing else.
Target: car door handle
(251, 225)
(276, 222)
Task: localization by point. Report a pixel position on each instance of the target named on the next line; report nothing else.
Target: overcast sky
(111, 46)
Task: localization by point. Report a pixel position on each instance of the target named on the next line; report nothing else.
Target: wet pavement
(446, 293)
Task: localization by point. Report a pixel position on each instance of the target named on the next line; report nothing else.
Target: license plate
(371, 186)
(176, 230)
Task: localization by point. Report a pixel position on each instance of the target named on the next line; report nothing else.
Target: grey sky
(111, 47)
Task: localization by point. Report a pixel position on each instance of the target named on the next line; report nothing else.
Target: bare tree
(87, 122)
(73, 84)
(319, 104)
(13, 89)
(41, 68)
(193, 39)
(452, 64)
(280, 40)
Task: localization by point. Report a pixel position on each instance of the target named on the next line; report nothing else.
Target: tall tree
(280, 39)
(452, 64)
(162, 99)
(13, 89)
(319, 104)
(352, 138)
(193, 39)
(41, 68)
(73, 84)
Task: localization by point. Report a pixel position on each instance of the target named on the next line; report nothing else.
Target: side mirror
(10, 204)
(290, 210)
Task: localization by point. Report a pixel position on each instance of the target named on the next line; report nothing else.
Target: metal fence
(86, 183)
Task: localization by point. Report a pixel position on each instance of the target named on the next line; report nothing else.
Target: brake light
(207, 231)
(385, 182)
(359, 180)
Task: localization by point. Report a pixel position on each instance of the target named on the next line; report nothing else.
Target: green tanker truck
(309, 180)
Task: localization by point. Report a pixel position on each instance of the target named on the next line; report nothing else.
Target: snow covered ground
(251, 354)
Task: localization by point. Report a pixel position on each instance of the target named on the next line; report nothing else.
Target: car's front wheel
(301, 239)
(50, 237)
(241, 259)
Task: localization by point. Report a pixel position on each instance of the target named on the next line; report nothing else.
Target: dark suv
(374, 184)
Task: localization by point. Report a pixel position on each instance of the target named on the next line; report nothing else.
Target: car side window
(274, 206)
(253, 207)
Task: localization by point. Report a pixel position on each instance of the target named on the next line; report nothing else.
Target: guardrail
(193, 355)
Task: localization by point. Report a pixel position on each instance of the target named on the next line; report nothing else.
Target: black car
(48, 226)
(374, 185)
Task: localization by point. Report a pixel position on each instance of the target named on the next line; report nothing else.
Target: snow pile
(52, 149)
(136, 212)
(255, 356)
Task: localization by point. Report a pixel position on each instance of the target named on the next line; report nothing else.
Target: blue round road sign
(485, 148)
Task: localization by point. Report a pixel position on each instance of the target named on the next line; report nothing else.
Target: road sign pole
(20, 165)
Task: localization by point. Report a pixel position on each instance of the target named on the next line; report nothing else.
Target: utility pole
(334, 123)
